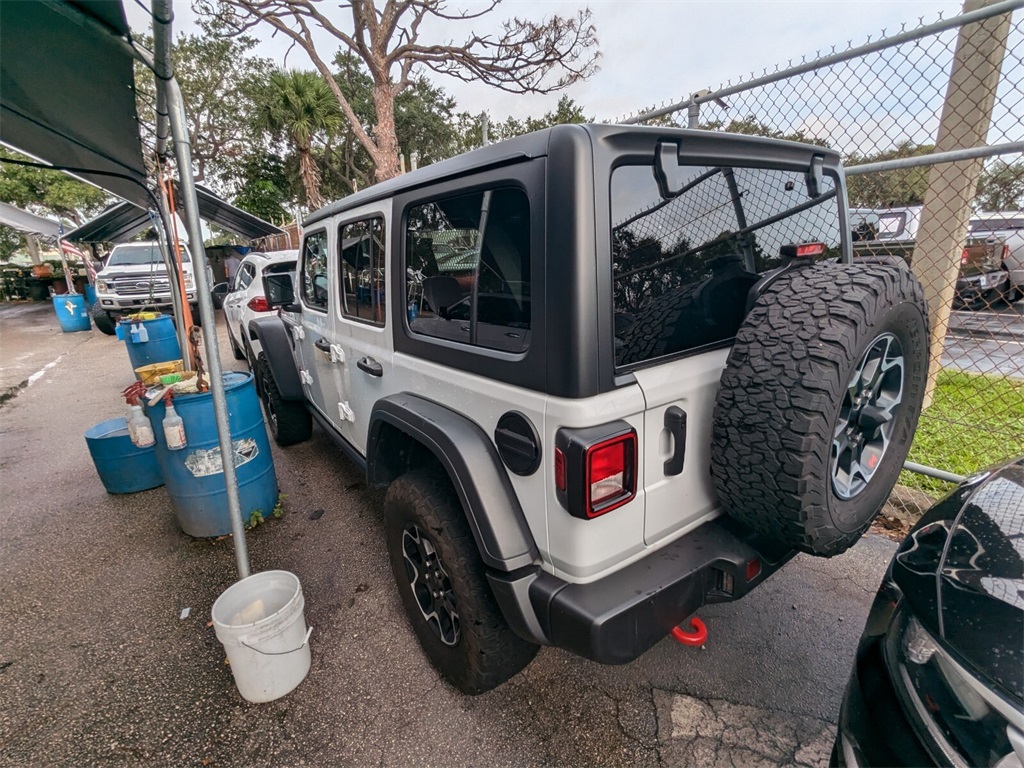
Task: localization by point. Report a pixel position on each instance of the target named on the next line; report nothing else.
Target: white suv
(607, 374)
(244, 300)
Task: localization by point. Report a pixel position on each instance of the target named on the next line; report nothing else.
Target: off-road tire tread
(781, 392)
(489, 652)
(294, 422)
(647, 338)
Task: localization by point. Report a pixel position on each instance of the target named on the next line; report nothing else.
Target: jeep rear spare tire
(819, 402)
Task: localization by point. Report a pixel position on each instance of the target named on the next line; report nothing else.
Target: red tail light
(611, 474)
(1006, 252)
(809, 249)
(963, 256)
(596, 468)
(259, 304)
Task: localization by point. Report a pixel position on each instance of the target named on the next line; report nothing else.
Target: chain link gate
(930, 123)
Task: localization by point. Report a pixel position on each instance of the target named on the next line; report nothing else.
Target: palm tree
(300, 105)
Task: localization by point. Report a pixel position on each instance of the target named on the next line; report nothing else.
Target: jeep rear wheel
(441, 582)
(819, 402)
(288, 420)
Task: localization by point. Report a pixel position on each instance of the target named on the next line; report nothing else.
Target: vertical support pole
(485, 129)
(966, 115)
(171, 264)
(183, 154)
(693, 115)
(33, 248)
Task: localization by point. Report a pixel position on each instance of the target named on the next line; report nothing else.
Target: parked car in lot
(607, 375)
(134, 278)
(939, 673)
(1002, 234)
(985, 277)
(244, 299)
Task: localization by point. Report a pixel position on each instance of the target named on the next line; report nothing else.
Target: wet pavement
(97, 668)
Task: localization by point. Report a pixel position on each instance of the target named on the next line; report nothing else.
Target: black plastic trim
(526, 369)
(518, 443)
(617, 618)
(472, 462)
(276, 341)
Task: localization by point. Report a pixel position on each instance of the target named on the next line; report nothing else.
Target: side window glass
(314, 270)
(246, 275)
(363, 284)
(468, 269)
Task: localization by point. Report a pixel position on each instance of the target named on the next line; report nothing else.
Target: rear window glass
(134, 255)
(682, 267)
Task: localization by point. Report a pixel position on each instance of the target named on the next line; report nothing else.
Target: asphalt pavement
(98, 668)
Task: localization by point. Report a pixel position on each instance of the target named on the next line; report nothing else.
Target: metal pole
(981, 14)
(936, 158)
(171, 263)
(183, 154)
(938, 474)
(485, 128)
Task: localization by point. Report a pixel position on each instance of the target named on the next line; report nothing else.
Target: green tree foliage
(299, 107)
(10, 241)
(220, 81)
(263, 187)
(1001, 187)
(751, 126)
(470, 134)
(48, 192)
(425, 124)
(391, 40)
(889, 189)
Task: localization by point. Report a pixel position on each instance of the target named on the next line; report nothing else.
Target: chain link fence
(896, 108)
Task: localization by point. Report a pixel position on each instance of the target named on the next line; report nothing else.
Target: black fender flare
(276, 341)
(472, 462)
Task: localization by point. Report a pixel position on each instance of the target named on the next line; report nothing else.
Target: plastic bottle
(174, 429)
(139, 428)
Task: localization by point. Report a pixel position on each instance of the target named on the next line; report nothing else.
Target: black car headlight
(964, 721)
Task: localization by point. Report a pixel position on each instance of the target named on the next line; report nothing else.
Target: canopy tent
(123, 221)
(68, 96)
(29, 223)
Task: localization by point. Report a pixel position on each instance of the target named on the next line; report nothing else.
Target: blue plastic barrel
(122, 467)
(90, 294)
(161, 342)
(72, 312)
(195, 475)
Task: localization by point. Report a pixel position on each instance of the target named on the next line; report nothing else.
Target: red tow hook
(697, 637)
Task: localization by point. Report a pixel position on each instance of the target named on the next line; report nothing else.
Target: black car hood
(962, 571)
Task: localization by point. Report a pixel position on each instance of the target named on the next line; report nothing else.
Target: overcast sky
(651, 50)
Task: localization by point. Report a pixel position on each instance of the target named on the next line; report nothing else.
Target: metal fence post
(966, 116)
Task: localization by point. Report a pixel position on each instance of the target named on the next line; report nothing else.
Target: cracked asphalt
(97, 668)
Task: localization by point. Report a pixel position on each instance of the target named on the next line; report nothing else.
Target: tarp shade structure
(67, 95)
(23, 221)
(123, 221)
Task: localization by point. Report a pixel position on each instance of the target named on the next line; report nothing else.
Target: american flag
(69, 249)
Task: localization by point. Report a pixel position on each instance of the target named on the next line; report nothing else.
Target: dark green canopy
(67, 93)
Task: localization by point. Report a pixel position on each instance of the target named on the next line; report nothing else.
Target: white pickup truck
(1004, 232)
(134, 278)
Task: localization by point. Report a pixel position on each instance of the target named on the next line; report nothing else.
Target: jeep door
(362, 334)
(312, 335)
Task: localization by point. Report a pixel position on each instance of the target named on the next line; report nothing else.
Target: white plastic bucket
(260, 622)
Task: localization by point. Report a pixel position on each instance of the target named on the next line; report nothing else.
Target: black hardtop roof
(536, 144)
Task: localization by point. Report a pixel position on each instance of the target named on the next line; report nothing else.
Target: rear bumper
(616, 619)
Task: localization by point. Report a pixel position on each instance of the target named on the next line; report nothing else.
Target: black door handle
(370, 366)
(323, 345)
(675, 423)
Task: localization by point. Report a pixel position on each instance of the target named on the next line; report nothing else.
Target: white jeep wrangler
(607, 375)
